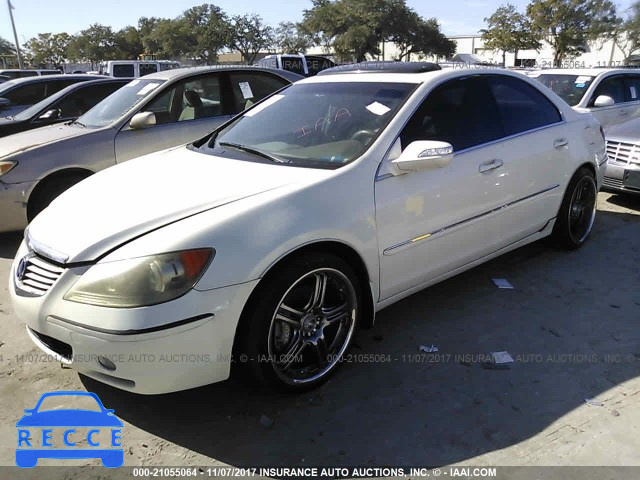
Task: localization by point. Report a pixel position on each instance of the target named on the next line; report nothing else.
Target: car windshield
(314, 124)
(119, 103)
(571, 88)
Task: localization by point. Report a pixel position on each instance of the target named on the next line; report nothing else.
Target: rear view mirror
(604, 101)
(142, 120)
(423, 155)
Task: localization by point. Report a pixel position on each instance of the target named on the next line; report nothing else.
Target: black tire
(267, 344)
(577, 211)
(47, 192)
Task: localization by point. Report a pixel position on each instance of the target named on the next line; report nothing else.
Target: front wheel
(303, 322)
(577, 211)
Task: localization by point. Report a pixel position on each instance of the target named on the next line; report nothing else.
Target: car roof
(46, 78)
(592, 72)
(184, 72)
(382, 67)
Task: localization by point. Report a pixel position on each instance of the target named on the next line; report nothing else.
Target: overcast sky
(457, 17)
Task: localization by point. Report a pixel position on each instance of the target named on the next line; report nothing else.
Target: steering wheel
(364, 136)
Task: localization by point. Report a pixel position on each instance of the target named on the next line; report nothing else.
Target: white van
(135, 68)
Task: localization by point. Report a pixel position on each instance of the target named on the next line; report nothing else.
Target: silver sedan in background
(623, 149)
(159, 111)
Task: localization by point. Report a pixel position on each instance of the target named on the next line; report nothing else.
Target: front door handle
(492, 165)
(560, 142)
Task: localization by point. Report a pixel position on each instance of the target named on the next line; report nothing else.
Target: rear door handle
(560, 142)
(492, 165)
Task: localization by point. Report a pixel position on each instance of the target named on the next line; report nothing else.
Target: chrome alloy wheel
(312, 326)
(582, 209)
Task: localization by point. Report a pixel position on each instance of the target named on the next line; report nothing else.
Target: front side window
(322, 125)
(250, 87)
(191, 99)
(521, 106)
(571, 88)
(612, 87)
(460, 112)
(120, 103)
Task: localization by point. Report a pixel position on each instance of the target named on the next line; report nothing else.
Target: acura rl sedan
(269, 242)
(158, 111)
(623, 167)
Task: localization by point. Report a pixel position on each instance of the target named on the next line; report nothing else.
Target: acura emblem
(22, 267)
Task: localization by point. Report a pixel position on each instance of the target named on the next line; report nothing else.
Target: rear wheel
(577, 211)
(303, 322)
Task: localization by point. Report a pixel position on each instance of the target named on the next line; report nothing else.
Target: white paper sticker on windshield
(378, 108)
(246, 90)
(634, 92)
(147, 88)
(132, 83)
(268, 102)
(583, 79)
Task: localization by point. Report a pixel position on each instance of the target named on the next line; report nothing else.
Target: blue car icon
(39, 418)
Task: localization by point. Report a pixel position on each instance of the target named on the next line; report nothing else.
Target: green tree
(94, 44)
(6, 47)
(203, 30)
(569, 24)
(128, 44)
(626, 35)
(291, 39)
(509, 31)
(48, 49)
(249, 35)
(413, 35)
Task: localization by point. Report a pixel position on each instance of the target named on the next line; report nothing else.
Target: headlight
(6, 166)
(142, 281)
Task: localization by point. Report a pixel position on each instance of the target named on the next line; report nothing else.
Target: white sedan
(268, 243)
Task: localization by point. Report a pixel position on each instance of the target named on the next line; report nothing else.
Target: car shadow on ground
(9, 243)
(566, 312)
(627, 201)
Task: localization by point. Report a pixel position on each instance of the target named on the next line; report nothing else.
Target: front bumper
(164, 348)
(616, 178)
(13, 206)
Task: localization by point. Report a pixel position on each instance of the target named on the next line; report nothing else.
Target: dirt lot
(571, 322)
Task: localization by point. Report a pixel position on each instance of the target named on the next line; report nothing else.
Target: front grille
(37, 275)
(57, 346)
(622, 153)
(612, 182)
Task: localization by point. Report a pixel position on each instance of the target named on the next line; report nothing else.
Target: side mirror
(4, 102)
(52, 114)
(142, 120)
(423, 155)
(604, 101)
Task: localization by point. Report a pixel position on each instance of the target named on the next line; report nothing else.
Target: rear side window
(27, 94)
(612, 87)
(250, 87)
(147, 68)
(460, 112)
(521, 106)
(123, 71)
(632, 88)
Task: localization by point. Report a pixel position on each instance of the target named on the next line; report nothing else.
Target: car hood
(126, 201)
(628, 132)
(21, 142)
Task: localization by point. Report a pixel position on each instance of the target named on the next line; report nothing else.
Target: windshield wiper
(253, 151)
(79, 123)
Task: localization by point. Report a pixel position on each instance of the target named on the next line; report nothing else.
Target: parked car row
(612, 96)
(305, 206)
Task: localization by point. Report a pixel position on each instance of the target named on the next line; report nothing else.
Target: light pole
(15, 34)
